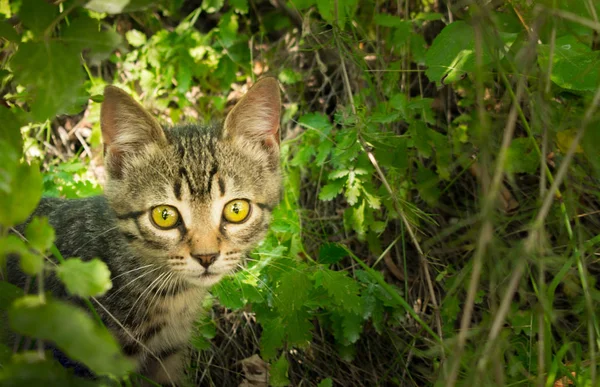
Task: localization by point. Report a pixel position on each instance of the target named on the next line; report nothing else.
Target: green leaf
(118, 6)
(85, 279)
(31, 369)
(452, 54)
(228, 293)
(303, 156)
(347, 327)
(443, 153)
(303, 4)
(10, 135)
(574, 65)
(40, 234)
(204, 331)
(352, 327)
(135, 38)
(240, 6)
(353, 190)
(85, 33)
(323, 151)
(289, 76)
(52, 73)
(331, 253)
(358, 220)
(212, 6)
(24, 193)
(420, 135)
(427, 184)
(400, 102)
(37, 15)
(30, 262)
(342, 289)
(326, 10)
(8, 32)
(292, 291)
(387, 20)
(521, 157)
(332, 189)
(8, 293)
(316, 121)
(279, 372)
(72, 330)
(298, 327)
(272, 337)
(228, 29)
(326, 383)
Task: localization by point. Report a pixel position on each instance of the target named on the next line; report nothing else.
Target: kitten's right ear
(126, 128)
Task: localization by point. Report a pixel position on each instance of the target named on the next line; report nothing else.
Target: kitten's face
(193, 200)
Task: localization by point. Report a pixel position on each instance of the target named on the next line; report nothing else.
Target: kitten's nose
(205, 259)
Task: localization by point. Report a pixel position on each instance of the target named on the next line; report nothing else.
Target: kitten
(181, 207)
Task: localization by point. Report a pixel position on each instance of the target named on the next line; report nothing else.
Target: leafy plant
(441, 177)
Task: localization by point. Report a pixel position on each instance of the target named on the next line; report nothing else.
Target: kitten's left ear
(256, 116)
(126, 128)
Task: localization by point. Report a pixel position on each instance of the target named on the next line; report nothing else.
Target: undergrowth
(439, 224)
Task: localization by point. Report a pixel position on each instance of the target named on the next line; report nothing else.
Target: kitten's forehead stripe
(184, 175)
(213, 171)
(221, 186)
(177, 188)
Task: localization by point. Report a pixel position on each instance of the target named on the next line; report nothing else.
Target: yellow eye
(165, 216)
(236, 211)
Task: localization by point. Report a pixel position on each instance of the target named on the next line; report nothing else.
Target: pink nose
(205, 259)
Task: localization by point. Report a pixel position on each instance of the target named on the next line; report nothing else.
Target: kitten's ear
(126, 128)
(256, 116)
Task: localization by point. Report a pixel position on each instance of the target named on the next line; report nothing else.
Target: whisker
(93, 239)
(257, 278)
(132, 270)
(137, 305)
(130, 282)
(151, 304)
(135, 339)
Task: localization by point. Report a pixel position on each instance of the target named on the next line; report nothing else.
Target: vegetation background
(440, 220)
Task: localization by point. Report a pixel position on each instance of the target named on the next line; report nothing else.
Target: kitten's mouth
(208, 274)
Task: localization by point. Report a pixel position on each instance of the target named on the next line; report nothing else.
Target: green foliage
(85, 279)
(279, 372)
(21, 194)
(65, 325)
(394, 119)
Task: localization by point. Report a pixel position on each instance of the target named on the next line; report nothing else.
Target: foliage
(418, 231)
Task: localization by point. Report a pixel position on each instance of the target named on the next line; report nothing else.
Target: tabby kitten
(181, 207)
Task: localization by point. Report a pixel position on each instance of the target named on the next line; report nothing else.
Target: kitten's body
(161, 320)
(160, 273)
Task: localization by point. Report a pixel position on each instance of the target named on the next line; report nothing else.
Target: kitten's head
(193, 199)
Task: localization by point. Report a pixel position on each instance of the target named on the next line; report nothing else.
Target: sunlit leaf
(212, 6)
(66, 326)
(85, 279)
(23, 195)
(331, 190)
(40, 234)
(135, 38)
